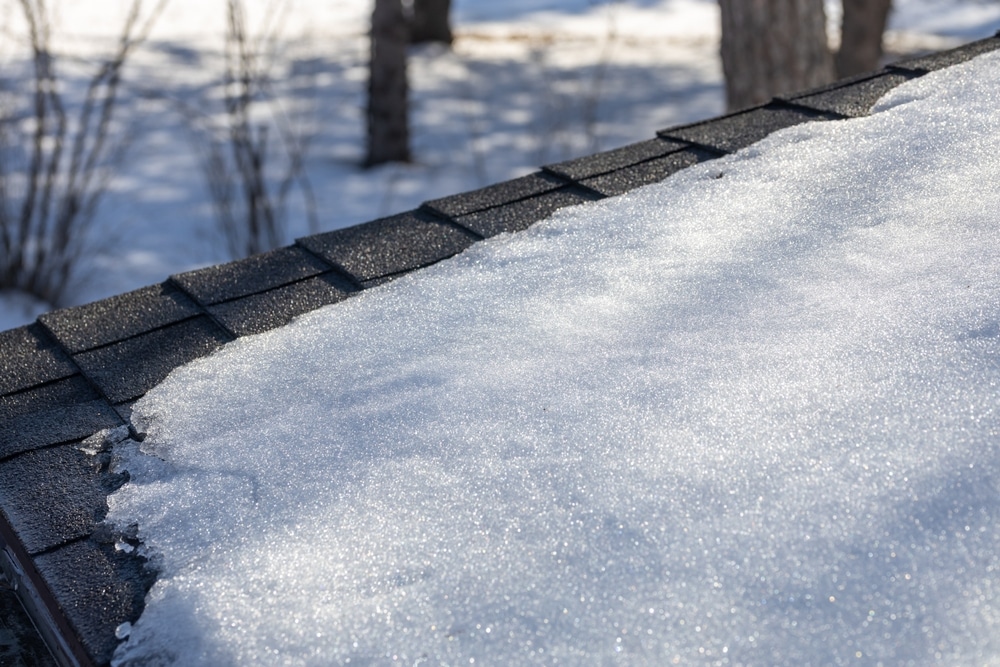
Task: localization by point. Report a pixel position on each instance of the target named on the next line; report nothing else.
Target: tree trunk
(861, 36)
(388, 126)
(431, 22)
(771, 47)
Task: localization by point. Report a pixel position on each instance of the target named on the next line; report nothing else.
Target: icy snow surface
(747, 416)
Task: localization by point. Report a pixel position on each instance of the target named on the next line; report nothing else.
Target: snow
(528, 82)
(745, 416)
(944, 19)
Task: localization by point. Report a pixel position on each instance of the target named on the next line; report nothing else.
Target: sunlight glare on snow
(746, 415)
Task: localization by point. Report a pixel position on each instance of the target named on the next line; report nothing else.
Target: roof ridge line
(297, 277)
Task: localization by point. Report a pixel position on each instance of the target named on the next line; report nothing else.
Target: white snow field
(528, 82)
(745, 416)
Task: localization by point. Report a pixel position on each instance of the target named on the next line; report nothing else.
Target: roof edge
(38, 601)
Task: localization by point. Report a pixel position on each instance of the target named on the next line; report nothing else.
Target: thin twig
(66, 173)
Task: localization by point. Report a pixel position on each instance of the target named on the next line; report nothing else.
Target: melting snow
(745, 416)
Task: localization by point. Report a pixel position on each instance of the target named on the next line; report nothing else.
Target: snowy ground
(528, 82)
(745, 416)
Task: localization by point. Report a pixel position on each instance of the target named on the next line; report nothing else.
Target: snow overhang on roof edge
(76, 372)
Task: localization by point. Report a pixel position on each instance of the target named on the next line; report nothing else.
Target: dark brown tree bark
(861, 36)
(388, 125)
(771, 47)
(431, 22)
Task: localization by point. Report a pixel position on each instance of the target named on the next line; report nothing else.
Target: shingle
(251, 275)
(619, 158)
(261, 312)
(119, 317)
(520, 215)
(130, 368)
(851, 99)
(495, 195)
(51, 496)
(645, 173)
(943, 59)
(56, 425)
(739, 130)
(29, 357)
(389, 245)
(97, 589)
(68, 391)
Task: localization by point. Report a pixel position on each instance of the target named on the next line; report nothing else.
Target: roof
(77, 371)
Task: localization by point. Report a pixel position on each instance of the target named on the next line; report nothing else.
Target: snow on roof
(747, 414)
(547, 424)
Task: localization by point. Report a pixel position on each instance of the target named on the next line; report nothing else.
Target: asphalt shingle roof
(851, 97)
(77, 371)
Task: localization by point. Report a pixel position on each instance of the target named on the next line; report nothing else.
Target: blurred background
(144, 138)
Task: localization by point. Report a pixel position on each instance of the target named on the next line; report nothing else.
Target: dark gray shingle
(255, 274)
(389, 245)
(97, 589)
(728, 134)
(52, 496)
(128, 369)
(520, 215)
(68, 391)
(258, 313)
(852, 99)
(645, 173)
(495, 195)
(935, 61)
(29, 357)
(119, 317)
(55, 425)
(618, 158)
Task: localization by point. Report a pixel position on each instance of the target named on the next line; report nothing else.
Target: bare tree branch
(69, 164)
